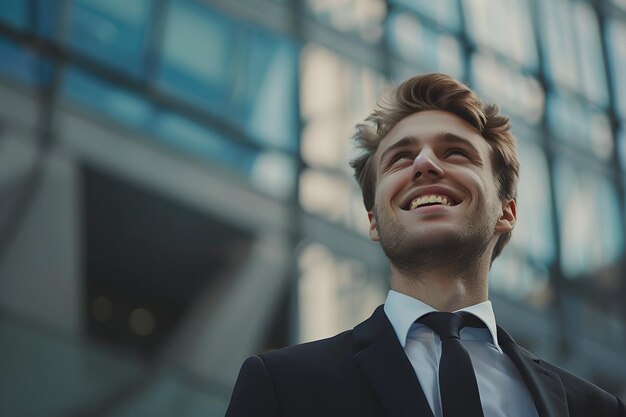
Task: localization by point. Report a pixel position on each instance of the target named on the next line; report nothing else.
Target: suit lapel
(544, 385)
(388, 370)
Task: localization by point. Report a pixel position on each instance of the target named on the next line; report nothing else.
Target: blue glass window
(621, 145)
(236, 71)
(15, 13)
(272, 173)
(620, 3)
(112, 31)
(108, 99)
(577, 123)
(182, 133)
(422, 48)
(443, 12)
(39, 16)
(522, 270)
(490, 24)
(533, 231)
(516, 93)
(616, 37)
(361, 19)
(589, 217)
(24, 65)
(520, 280)
(573, 51)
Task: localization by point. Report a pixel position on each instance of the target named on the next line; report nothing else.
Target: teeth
(428, 199)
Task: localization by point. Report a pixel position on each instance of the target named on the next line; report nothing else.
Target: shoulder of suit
(579, 390)
(347, 342)
(317, 348)
(321, 357)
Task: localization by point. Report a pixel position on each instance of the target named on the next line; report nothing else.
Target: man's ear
(506, 222)
(373, 226)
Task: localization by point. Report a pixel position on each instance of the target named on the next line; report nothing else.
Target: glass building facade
(175, 192)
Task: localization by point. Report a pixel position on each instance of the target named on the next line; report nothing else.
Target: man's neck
(442, 289)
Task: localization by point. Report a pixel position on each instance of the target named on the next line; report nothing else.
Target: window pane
(515, 93)
(362, 18)
(620, 3)
(332, 203)
(334, 293)
(443, 12)
(15, 13)
(98, 95)
(590, 53)
(533, 231)
(324, 142)
(234, 70)
(43, 21)
(573, 50)
(112, 31)
(274, 173)
(490, 24)
(621, 145)
(184, 134)
(616, 36)
(194, 52)
(590, 227)
(422, 48)
(559, 42)
(24, 65)
(265, 92)
(571, 121)
(335, 95)
(334, 198)
(517, 279)
(270, 172)
(331, 105)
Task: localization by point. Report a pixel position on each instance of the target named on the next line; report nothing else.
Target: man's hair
(438, 92)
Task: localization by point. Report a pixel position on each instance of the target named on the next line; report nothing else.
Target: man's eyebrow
(405, 141)
(452, 138)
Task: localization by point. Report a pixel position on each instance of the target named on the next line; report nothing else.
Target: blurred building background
(175, 193)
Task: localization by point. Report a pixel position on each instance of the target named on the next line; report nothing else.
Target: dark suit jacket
(364, 372)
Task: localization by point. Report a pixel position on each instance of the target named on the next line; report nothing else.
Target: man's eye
(456, 152)
(402, 156)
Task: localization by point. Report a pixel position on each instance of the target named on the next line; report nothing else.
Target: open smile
(429, 200)
(429, 197)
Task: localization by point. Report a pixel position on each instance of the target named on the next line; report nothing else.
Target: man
(439, 177)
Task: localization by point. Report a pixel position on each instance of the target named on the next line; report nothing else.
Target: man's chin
(440, 235)
(437, 248)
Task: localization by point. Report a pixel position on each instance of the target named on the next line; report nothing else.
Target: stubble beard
(458, 253)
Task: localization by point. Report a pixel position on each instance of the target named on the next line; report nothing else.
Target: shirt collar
(402, 311)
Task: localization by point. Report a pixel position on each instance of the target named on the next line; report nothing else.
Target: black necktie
(457, 381)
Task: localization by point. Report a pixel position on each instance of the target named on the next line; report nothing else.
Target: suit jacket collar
(388, 370)
(544, 385)
(385, 365)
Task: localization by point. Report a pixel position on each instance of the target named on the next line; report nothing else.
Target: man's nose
(426, 164)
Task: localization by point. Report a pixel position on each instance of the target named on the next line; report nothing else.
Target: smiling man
(438, 173)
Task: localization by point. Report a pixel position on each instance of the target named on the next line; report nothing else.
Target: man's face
(436, 195)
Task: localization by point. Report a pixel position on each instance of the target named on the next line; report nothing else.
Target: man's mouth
(429, 200)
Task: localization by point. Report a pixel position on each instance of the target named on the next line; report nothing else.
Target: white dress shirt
(502, 390)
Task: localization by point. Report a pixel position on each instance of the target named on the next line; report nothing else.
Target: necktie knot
(448, 325)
